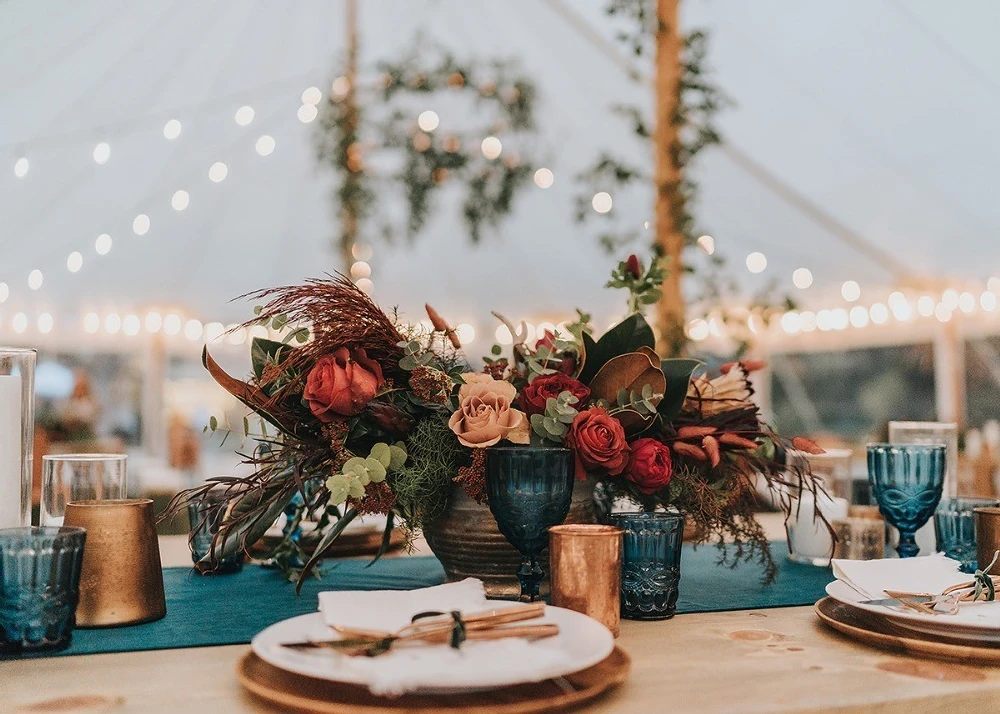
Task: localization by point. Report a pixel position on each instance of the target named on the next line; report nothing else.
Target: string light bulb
(35, 279)
(4, 292)
(544, 178)
(102, 152)
(74, 262)
(491, 147)
(193, 329)
(45, 323)
(91, 323)
(244, 115)
(756, 262)
(131, 325)
(153, 322)
(217, 172)
(307, 113)
(21, 167)
(180, 200)
(172, 129)
(602, 202)
(102, 244)
(705, 243)
(802, 278)
(312, 96)
(140, 224)
(428, 120)
(265, 145)
(850, 291)
(171, 324)
(19, 323)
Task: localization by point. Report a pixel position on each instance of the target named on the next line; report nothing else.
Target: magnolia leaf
(678, 376)
(630, 373)
(629, 335)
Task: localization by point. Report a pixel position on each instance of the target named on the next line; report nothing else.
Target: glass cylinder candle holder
(79, 477)
(206, 514)
(651, 563)
(17, 434)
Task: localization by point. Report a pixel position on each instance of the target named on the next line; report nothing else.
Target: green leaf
(213, 423)
(324, 544)
(627, 336)
(264, 351)
(382, 453)
(397, 456)
(497, 350)
(376, 471)
(678, 373)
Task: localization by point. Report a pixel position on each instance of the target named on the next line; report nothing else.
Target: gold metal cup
(585, 565)
(987, 535)
(121, 581)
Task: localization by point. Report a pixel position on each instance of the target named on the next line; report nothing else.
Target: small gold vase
(121, 581)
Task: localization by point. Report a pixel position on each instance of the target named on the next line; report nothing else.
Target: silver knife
(895, 602)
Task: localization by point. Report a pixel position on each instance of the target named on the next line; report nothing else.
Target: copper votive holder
(987, 536)
(121, 581)
(585, 564)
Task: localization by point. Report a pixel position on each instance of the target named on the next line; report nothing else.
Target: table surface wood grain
(775, 660)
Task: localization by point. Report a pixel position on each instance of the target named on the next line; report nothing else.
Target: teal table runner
(231, 609)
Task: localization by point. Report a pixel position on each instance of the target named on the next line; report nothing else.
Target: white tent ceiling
(883, 115)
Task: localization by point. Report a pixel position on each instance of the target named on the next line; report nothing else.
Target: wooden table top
(777, 660)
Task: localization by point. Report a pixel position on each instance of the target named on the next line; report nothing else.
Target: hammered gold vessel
(585, 564)
(121, 582)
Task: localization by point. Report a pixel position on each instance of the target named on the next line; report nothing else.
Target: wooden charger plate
(880, 632)
(320, 696)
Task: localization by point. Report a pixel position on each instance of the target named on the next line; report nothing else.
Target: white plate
(975, 621)
(582, 642)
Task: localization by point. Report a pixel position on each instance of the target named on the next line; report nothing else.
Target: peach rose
(485, 415)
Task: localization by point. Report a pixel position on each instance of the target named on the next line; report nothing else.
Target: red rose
(650, 466)
(598, 441)
(633, 266)
(342, 384)
(533, 396)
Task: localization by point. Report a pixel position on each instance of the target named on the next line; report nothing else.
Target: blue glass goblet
(529, 490)
(906, 480)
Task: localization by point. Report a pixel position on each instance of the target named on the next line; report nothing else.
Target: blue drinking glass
(955, 529)
(39, 587)
(906, 480)
(651, 563)
(529, 490)
(206, 514)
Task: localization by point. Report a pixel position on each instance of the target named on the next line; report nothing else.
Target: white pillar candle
(811, 539)
(10, 451)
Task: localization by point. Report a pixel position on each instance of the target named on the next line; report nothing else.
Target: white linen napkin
(406, 669)
(871, 578)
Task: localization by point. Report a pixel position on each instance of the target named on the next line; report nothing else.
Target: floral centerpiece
(369, 415)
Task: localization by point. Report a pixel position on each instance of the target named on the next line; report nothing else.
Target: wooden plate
(323, 697)
(880, 632)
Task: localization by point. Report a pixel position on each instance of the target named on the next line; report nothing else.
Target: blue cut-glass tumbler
(955, 529)
(529, 489)
(651, 563)
(39, 587)
(206, 514)
(906, 480)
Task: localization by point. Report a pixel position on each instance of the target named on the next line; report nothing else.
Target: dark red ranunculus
(598, 441)
(534, 396)
(548, 339)
(650, 465)
(341, 385)
(633, 266)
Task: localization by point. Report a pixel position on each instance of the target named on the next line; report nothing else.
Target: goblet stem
(907, 547)
(530, 575)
